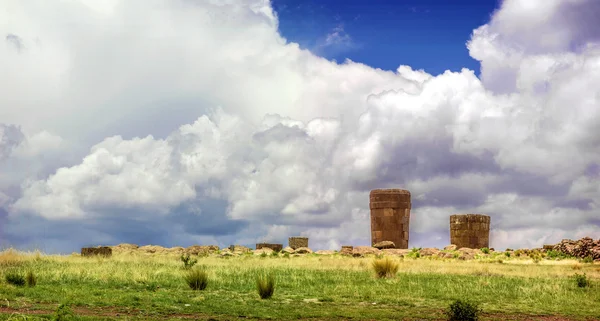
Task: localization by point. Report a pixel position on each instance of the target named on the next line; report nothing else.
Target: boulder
(303, 250)
(201, 249)
(581, 248)
(384, 245)
(450, 247)
(288, 250)
(152, 249)
(176, 250)
(359, 251)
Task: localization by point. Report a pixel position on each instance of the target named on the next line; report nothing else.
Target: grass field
(333, 287)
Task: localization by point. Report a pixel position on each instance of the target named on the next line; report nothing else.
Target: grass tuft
(196, 279)
(462, 310)
(31, 279)
(385, 268)
(582, 280)
(265, 284)
(15, 278)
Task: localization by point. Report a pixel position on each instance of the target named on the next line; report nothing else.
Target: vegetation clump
(196, 279)
(31, 279)
(265, 284)
(485, 250)
(462, 310)
(385, 268)
(15, 278)
(188, 262)
(582, 280)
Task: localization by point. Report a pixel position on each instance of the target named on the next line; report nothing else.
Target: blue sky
(425, 34)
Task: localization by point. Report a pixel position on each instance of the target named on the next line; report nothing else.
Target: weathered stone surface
(390, 216)
(470, 230)
(384, 245)
(239, 249)
(176, 250)
(303, 250)
(450, 247)
(298, 242)
(96, 251)
(429, 251)
(346, 250)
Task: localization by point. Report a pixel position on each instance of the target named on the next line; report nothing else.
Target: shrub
(275, 254)
(197, 279)
(15, 278)
(588, 259)
(63, 312)
(582, 280)
(461, 310)
(31, 279)
(286, 255)
(187, 261)
(385, 268)
(552, 254)
(263, 254)
(265, 286)
(485, 250)
(507, 254)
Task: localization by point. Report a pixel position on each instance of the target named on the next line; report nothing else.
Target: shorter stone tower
(470, 230)
(298, 242)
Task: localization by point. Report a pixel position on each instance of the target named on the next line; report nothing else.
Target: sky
(224, 122)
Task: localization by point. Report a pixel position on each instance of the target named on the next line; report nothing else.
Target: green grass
(321, 287)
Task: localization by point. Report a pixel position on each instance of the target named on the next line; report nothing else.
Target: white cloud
(248, 138)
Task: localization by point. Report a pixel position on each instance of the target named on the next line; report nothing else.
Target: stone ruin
(296, 242)
(273, 246)
(390, 216)
(470, 230)
(583, 248)
(96, 251)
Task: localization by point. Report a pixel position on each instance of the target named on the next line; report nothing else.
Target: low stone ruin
(296, 242)
(273, 246)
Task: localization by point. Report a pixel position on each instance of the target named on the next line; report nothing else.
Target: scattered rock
(385, 245)
(176, 250)
(450, 247)
(429, 251)
(303, 250)
(152, 249)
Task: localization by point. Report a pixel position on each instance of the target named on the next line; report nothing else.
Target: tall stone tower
(390, 216)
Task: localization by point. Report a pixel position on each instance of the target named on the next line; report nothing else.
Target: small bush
(263, 254)
(188, 262)
(461, 310)
(507, 254)
(286, 255)
(385, 268)
(275, 254)
(197, 279)
(31, 279)
(485, 250)
(265, 286)
(588, 259)
(552, 254)
(62, 313)
(582, 280)
(15, 278)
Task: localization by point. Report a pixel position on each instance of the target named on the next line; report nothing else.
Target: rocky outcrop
(396, 252)
(325, 252)
(450, 247)
(429, 251)
(582, 248)
(201, 249)
(346, 250)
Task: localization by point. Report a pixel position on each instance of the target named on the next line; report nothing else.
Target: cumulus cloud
(206, 126)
